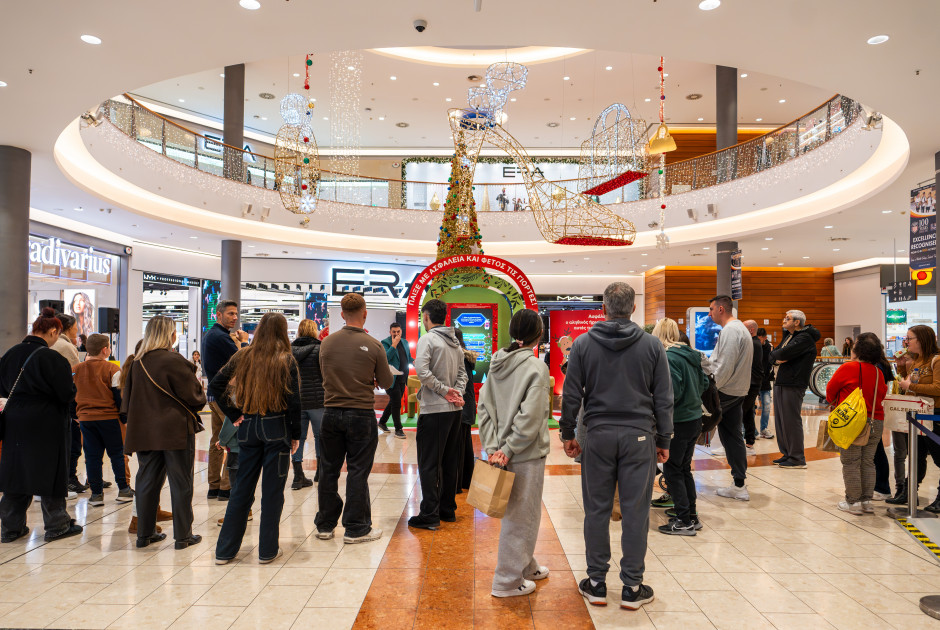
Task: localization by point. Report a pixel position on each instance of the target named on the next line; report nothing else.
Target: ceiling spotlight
(251, 5)
(768, 238)
(780, 264)
(325, 118)
(572, 118)
(701, 119)
(552, 124)
(744, 75)
(609, 68)
(91, 39)
(885, 212)
(566, 78)
(512, 100)
(181, 100)
(448, 100)
(878, 39)
(805, 257)
(381, 117)
(222, 74)
(764, 249)
(758, 119)
(350, 67)
(193, 237)
(296, 74)
(835, 249)
(264, 118)
(706, 248)
(872, 121)
(436, 84)
(3, 83)
(646, 100)
(393, 78)
(783, 100)
(708, 5)
(79, 209)
(827, 227)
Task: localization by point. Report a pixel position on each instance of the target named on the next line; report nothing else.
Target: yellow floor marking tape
(921, 538)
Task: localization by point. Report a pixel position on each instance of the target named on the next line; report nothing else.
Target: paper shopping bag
(896, 407)
(823, 441)
(490, 488)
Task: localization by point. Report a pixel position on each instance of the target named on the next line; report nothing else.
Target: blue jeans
(350, 435)
(312, 418)
(765, 409)
(263, 451)
(100, 436)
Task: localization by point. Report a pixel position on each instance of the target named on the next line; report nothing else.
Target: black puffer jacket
(797, 355)
(307, 352)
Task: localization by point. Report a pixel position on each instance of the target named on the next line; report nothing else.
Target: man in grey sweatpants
(619, 376)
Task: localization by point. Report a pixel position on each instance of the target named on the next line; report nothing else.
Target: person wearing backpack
(689, 382)
(514, 414)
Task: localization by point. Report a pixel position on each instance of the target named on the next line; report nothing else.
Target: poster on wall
(478, 323)
(317, 309)
(737, 290)
(563, 328)
(80, 304)
(924, 227)
(211, 290)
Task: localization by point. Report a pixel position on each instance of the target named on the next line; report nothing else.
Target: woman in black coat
(306, 349)
(36, 432)
(468, 416)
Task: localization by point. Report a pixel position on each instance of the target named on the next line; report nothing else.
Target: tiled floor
(786, 559)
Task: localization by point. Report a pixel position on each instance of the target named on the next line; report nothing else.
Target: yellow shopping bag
(848, 420)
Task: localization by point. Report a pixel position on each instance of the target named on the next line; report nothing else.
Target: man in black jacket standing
(793, 362)
(750, 399)
(218, 345)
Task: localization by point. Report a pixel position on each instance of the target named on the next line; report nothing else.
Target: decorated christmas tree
(460, 232)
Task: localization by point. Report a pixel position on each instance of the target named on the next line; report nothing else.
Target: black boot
(901, 497)
(935, 506)
(300, 480)
(316, 475)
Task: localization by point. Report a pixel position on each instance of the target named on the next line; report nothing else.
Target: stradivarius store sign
(52, 257)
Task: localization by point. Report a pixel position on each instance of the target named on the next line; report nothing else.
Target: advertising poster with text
(924, 227)
(563, 328)
(478, 324)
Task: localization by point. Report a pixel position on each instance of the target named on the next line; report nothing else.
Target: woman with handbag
(162, 398)
(919, 378)
(37, 386)
(260, 386)
(858, 460)
(513, 416)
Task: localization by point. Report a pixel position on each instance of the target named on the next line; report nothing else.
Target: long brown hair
(262, 378)
(927, 340)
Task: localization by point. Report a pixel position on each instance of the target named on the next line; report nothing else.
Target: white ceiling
(52, 76)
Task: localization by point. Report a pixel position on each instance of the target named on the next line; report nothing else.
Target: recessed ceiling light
(758, 119)
(448, 100)
(79, 209)
(609, 68)
(901, 251)
(566, 78)
(647, 100)
(313, 100)
(251, 246)
(91, 39)
(436, 84)
(644, 254)
(182, 100)
(264, 118)
(531, 260)
(569, 271)
(878, 39)
(885, 212)
(3, 83)
(768, 238)
(350, 67)
(706, 248)
(251, 5)
(805, 257)
(783, 100)
(827, 227)
(744, 75)
(701, 119)
(644, 265)
(586, 258)
(193, 237)
(572, 118)
(393, 78)
(780, 264)
(835, 249)
(325, 118)
(665, 74)
(381, 117)
(512, 100)
(296, 74)
(708, 5)
(764, 249)
(222, 74)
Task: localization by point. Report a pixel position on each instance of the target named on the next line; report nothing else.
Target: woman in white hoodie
(513, 415)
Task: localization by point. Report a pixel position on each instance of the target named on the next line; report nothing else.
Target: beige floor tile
(728, 610)
(791, 621)
(672, 620)
(612, 617)
(298, 576)
(702, 581)
(840, 610)
(208, 618)
(918, 621)
(263, 617)
(765, 594)
(92, 616)
(34, 614)
(342, 588)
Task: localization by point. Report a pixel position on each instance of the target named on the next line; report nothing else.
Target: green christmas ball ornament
(306, 160)
(310, 62)
(660, 171)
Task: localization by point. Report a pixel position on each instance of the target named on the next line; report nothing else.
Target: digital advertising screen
(563, 328)
(81, 305)
(211, 290)
(704, 335)
(317, 309)
(478, 322)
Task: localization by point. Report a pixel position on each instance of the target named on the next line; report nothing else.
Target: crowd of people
(631, 401)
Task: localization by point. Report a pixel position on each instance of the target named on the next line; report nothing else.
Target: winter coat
(394, 359)
(798, 350)
(439, 365)
(307, 353)
(688, 382)
(35, 457)
(514, 406)
(468, 415)
(156, 422)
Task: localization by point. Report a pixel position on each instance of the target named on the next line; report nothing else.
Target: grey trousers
(153, 468)
(13, 509)
(899, 440)
(615, 454)
(788, 403)
(519, 529)
(858, 466)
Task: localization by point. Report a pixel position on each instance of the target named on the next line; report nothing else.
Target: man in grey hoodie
(439, 366)
(620, 376)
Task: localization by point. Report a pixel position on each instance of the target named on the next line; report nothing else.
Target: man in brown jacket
(351, 362)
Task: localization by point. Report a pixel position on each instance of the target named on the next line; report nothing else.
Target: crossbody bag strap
(22, 369)
(178, 401)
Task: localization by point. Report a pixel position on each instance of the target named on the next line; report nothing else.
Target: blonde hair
(668, 332)
(159, 335)
(308, 328)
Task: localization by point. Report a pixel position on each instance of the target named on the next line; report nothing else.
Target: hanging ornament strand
(307, 63)
(662, 241)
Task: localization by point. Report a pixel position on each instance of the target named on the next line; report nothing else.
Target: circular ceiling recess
(438, 55)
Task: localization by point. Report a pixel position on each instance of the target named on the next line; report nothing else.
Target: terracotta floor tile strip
(443, 579)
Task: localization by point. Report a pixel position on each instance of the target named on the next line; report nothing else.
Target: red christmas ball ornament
(659, 69)
(663, 206)
(306, 139)
(303, 186)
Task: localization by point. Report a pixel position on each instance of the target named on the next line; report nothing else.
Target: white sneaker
(373, 534)
(718, 452)
(867, 507)
(526, 588)
(540, 574)
(851, 508)
(750, 450)
(71, 495)
(767, 434)
(734, 492)
(325, 535)
(879, 496)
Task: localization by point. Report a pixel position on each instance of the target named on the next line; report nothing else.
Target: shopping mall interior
(158, 158)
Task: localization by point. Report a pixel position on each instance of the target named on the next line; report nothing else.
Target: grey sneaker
(373, 534)
(399, 434)
(126, 495)
(325, 535)
(96, 500)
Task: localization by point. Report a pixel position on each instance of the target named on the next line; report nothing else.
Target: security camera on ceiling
(420, 25)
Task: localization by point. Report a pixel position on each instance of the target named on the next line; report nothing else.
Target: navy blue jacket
(217, 349)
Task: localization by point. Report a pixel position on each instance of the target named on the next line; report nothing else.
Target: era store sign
(52, 257)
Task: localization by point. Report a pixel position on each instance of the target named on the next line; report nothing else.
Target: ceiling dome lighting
(91, 39)
(708, 5)
(476, 58)
(251, 5)
(3, 83)
(878, 39)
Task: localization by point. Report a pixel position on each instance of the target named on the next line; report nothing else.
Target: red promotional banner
(563, 328)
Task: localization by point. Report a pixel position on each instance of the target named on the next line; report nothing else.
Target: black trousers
(350, 435)
(465, 456)
(747, 414)
(437, 462)
(882, 471)
(153, 469)
(678, 468)
(13, 509)
(729, 432)
(75, 449)
(100, 436)
(393, 408)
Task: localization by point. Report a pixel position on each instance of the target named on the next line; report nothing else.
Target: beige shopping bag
(490, 488)
(823, 441)
(896, 407)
